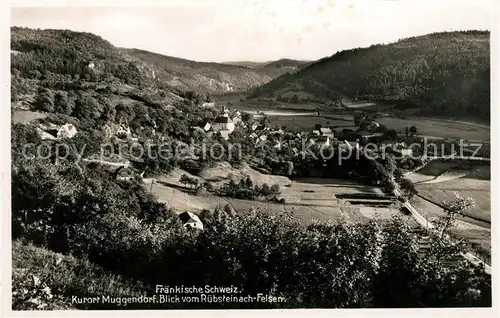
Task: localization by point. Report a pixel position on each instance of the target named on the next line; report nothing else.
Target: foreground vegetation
(323, 265)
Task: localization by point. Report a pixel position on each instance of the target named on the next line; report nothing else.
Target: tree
(246, 117)
(289, 168)
(275, 189)
(295, 99)
(453, 209)
(389, 164)
(382, 129)
(229, 210)
(184, 179)
(413, 130)
(201, 190)
(249, 182)
(265, 190)
(408, 187)
(317, 126)
(45, 101)
(63, 104)
(392, 134)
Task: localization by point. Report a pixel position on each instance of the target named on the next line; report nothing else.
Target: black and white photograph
(203, 155)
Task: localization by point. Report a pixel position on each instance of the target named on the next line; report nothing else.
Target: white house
(191, 221)
(263, 137)
(323, 141)
(67, 131)
(208, 104)
(126, 174)
(123, 131)
(223, 123)
(225, 133)
(326, 132)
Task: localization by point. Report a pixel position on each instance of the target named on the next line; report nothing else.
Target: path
(109, 163)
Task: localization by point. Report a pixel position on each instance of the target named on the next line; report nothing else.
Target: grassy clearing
(67, 278)
(465, 188)
(478, 236)
(308, 198)
(438, 128)
(475, 184)
(25, 116)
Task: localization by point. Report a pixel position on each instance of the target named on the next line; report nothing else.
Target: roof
(125, 172)
(325, 131)
(225, 133)
(223, 120)
(189, 217)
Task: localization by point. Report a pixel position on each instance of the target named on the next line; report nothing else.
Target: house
(191, 221)
(67, 131)
(45, 135)
(223, 123)
(225, 133)
(205, 126)
(323, 140)
(263, 137)
(123, 132)
(402, 149)
(237, 120)
(325, 131)
(254, 126)
(374, 125)
(208, 104)
(253, 135)
(126, 174)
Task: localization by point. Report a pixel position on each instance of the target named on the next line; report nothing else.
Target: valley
(290, 178)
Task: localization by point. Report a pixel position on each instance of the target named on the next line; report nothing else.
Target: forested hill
(212, 77)
(273, 69)
(441, 73)
(130, 66)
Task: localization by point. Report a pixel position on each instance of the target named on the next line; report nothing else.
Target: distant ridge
(442, 74)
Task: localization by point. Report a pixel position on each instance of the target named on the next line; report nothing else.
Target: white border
(5, 287)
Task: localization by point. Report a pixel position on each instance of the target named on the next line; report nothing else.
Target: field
(473, 183)
(430, 127)
(308, 199)
(306, 123)
(438, 128)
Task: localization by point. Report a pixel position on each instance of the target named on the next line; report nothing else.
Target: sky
(257, 30)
